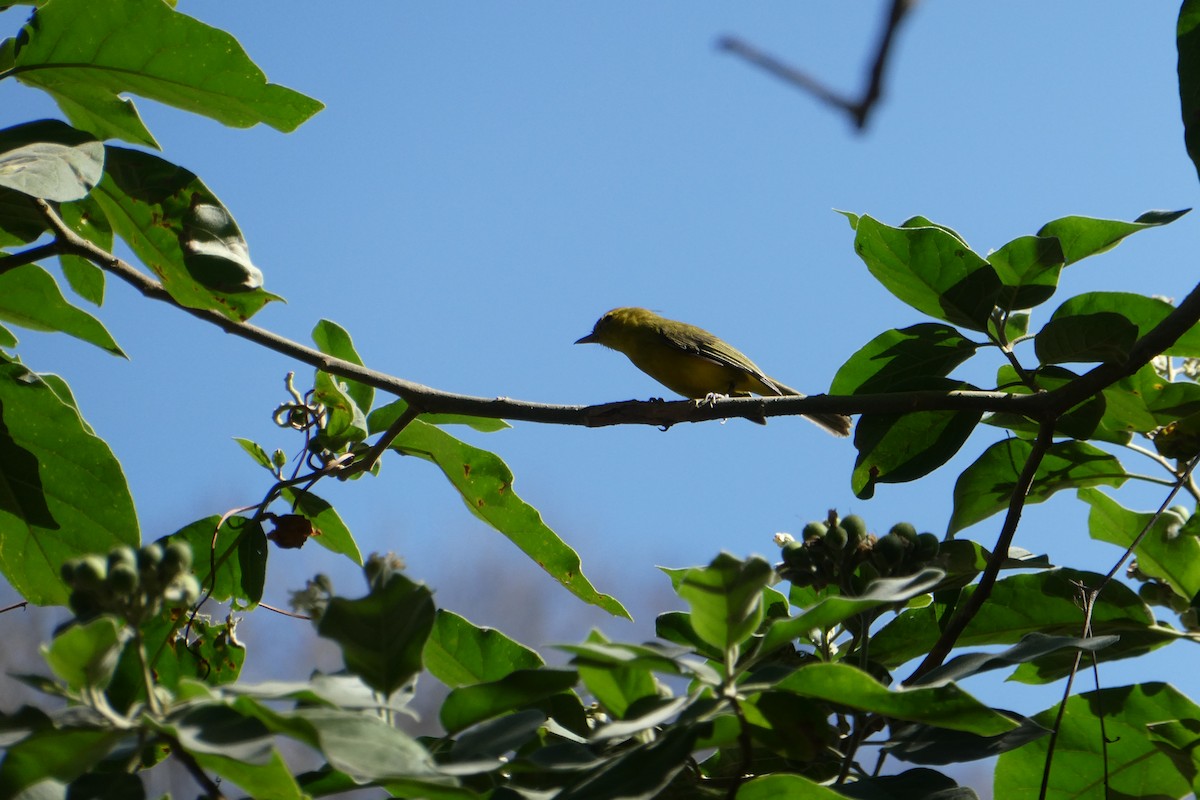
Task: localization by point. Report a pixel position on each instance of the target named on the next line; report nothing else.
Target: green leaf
(1043, 602)
(86, 218)
(1141, 313)
(1032, 647)
(616, 686)
(1134, 766)
(485, 484)
(54, 754)
(726, 598)
(1084, 421)
(784, 786)
(211, 655)
(239, 556)
(332, 339)
(896, 448)
(256, 452)
(85, 655)
(1104, 336)
(62, 491)
(180, 230)
(1166, 553)
(1084, 236)
(346, 424)
(382, 635)
(1028, 269)
(467, 705)
(900, 360)
(458, 653)
(639, 773)
(29, 297)
(488, 743)
(335, 536)
(986, 487)
(86, 55)
(1187, 42)
(20, 220)
(835, 609)
(50, 160)
(381, 418)
(944, 706)
(930, 269)
(359, 744)
(271, 779)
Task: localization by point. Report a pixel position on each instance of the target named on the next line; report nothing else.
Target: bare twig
(29, 256)
(967, 611)
(858, 109)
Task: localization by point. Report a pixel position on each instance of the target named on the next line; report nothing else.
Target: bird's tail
(837, 424)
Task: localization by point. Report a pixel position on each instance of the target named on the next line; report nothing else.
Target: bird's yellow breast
(689, 374)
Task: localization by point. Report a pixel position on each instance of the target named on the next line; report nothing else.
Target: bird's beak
(589, 339)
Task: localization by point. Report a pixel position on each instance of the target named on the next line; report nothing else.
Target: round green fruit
(836, 538)
(906, 531)
(814, 530)
(928, 545)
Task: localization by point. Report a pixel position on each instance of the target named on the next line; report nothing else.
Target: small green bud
(122, 555)
(122, 579)
(856, 528)
(177, 559)
(89, 573)
(814, 530)
(889, 551)
(928, 545)
(906, 531)
(836, 538)
(796, 556)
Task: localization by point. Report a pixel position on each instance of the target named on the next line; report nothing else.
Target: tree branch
(628, 412)
(858, 109)
(967, 611)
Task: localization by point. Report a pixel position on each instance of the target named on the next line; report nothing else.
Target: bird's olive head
(612, 326)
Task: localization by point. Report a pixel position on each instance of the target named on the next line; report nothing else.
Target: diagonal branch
(858, 109)
(1016, 504)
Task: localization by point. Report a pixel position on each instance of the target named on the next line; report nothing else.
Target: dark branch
(858, 109)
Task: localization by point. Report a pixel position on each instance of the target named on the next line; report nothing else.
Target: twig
(628, 412)
(1016, 503)
(858, 109)
(29, 256)
(211, 789)
(14, 607)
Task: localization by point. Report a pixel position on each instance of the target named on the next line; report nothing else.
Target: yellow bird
(691, 361)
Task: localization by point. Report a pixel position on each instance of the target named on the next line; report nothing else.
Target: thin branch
(967, 611)
(14, 607)
(29, 256)
(628, 412)
(858, 109)
(211, 789)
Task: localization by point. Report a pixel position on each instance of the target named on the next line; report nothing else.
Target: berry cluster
(841, 552)
(132, 584)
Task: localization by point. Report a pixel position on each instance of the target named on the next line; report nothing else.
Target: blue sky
(488, 179)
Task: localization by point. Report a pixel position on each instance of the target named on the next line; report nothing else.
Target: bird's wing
(705, 345)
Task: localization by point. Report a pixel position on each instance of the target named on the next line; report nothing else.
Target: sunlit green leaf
(1085, 236)
(485, 484)
(382, 635)
(945, 706)
(986, 487)
(930, 269)
(87, 55)
(726, 598)
(50, 160)
(29, 297)
(1134, 766)
(458, 653)
(62, 492)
